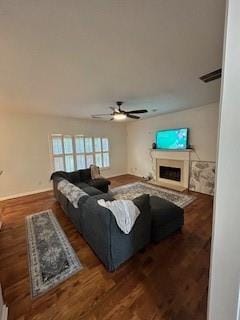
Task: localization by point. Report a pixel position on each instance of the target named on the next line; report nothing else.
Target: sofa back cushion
(91, 191)
(85, 174)
(74, 176)
(104, 196)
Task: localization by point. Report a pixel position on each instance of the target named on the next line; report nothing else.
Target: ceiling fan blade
(102, 118)
(97, 117)
(114, 110)
(102, 115)
(132, 116)
(137, 111)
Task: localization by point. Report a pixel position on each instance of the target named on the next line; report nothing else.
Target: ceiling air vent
(211, 76)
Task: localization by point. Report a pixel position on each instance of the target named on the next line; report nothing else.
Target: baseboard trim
(114, 174)
(120, 175)
(18, 195)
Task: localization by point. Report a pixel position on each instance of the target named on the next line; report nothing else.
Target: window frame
(75, 153)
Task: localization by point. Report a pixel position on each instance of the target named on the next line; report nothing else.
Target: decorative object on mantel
(51, 257)
(133, 190)
(202, 176)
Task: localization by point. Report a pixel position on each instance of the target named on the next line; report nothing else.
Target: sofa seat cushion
(81, 185)
(91, 191)
(166, 218)
(98, 182)
(104, 196)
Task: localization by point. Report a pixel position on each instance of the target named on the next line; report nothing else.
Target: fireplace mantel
(172, 158)
(172, 154)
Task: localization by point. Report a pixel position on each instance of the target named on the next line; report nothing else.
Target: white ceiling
(76, 57)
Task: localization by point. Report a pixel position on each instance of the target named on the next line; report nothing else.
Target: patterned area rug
(136, 189)
(51, 257)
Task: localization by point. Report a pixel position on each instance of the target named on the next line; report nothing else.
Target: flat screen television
(172, 139)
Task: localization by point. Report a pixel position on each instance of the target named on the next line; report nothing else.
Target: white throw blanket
(124, 211)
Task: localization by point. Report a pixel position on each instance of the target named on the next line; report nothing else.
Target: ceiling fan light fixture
(119, 116)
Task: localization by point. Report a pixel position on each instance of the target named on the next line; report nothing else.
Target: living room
(131, 139)
(115, 139)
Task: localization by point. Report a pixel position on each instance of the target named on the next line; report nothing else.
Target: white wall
(225, 262)
(202, 121)
(24, 141)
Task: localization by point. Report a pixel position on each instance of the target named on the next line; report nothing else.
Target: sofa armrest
(100, 183)
(56, 192)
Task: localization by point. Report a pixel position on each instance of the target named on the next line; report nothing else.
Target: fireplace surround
(171, 169)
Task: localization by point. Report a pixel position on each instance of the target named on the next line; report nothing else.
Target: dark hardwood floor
(166, 281)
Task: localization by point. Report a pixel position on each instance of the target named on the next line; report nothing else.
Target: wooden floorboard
(167, 281)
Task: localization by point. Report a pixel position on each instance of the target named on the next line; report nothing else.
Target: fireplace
(171, 169)
(170, 173)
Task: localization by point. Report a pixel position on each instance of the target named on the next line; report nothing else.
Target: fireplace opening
(170, 173)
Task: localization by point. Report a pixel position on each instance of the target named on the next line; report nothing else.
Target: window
(78, 152)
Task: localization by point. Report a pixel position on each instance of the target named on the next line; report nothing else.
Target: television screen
(172, 139)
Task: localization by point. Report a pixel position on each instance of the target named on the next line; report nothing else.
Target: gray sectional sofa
(158, 218)
(98, 226)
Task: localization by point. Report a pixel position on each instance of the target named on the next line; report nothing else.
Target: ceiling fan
(119, 114)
